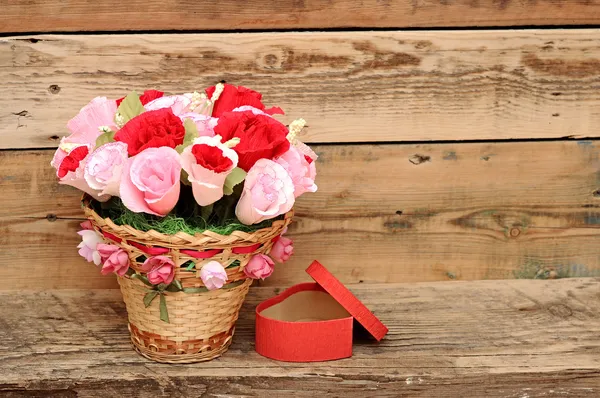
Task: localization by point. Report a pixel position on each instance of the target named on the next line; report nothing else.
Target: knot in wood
(514, 232)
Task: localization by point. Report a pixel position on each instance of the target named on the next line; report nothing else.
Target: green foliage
(191, 133)
(105, 138)
(191, 223)
(130, 107)
(236, 176)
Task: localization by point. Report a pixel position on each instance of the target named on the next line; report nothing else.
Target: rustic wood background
(444, 154)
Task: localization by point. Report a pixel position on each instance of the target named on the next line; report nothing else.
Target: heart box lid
(342, 295)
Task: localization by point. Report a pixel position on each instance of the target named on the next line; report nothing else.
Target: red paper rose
(233, 97)
(72, 160)
(151, 129)
(149, 95)
(211, 158)
(261, 136)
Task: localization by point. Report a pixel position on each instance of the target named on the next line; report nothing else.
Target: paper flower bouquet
(187, 198)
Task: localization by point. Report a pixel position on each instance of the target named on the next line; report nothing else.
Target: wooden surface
(471, 211)
(453, 339)
(78, 15)
(350, 86)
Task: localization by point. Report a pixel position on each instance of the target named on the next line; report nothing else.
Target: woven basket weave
(201, 323)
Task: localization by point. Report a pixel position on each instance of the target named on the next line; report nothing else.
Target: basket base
(220, 344)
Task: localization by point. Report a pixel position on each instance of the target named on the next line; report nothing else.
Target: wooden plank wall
(444, 154)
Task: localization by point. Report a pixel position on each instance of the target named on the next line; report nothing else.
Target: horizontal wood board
(349, 86)
(113, 15)
(383, 213)
(463, 339)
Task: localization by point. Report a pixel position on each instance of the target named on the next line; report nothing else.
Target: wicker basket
(201, 322)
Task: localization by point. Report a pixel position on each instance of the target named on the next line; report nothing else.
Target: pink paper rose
(268, 192)
(259, 267)
(150, 181)
(208, 162)
(302, 172)
(282, 249)
(159, 269)
(213, 275)
(105, 166)
(85, 127)
(114, 259)
(88, 246)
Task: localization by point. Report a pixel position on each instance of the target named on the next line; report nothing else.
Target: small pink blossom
(303, 173)
(213, 275)
(105, 166)
(87, 224)
(268, 192)
(259, 267)
(85, 127)
(150, 181)
(159, 269)
(88, 246)
(114, 259)
(282, 249)
(208, 162)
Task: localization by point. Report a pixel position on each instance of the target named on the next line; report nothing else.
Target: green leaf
(236, 176)
(185, 177)
(105, 138)
(149, 297)
(191, 266)
(130, 107)
(191, 133)
(178, 284)
(143, 278)
(164, 314)
(206, 211)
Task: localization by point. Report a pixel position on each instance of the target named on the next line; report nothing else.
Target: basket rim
(199, 239)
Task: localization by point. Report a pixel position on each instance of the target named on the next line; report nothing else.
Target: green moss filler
(171, 224)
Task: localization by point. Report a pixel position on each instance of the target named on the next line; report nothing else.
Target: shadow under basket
(185, 322)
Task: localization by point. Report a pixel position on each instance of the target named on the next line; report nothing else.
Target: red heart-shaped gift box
(312, 321)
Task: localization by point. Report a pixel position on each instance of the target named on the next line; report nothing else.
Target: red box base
(303, 324)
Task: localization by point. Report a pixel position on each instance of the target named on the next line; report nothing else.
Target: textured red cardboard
(312, 321)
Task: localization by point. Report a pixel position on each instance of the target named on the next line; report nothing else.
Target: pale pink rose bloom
(76, 178)
(150, 181)
(213, 275)
(114, 259)
(85, 126)
(204, 124)
(268, 192)
(88, 246)
(159, 269)
(259, 267)
(207, 183)
(105, 166)
(303, 173)
(282, 250)
(179, 104)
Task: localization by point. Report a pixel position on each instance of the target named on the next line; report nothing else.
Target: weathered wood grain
(355, 87)
(471, 211)
(112, 15)
(475, 339)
